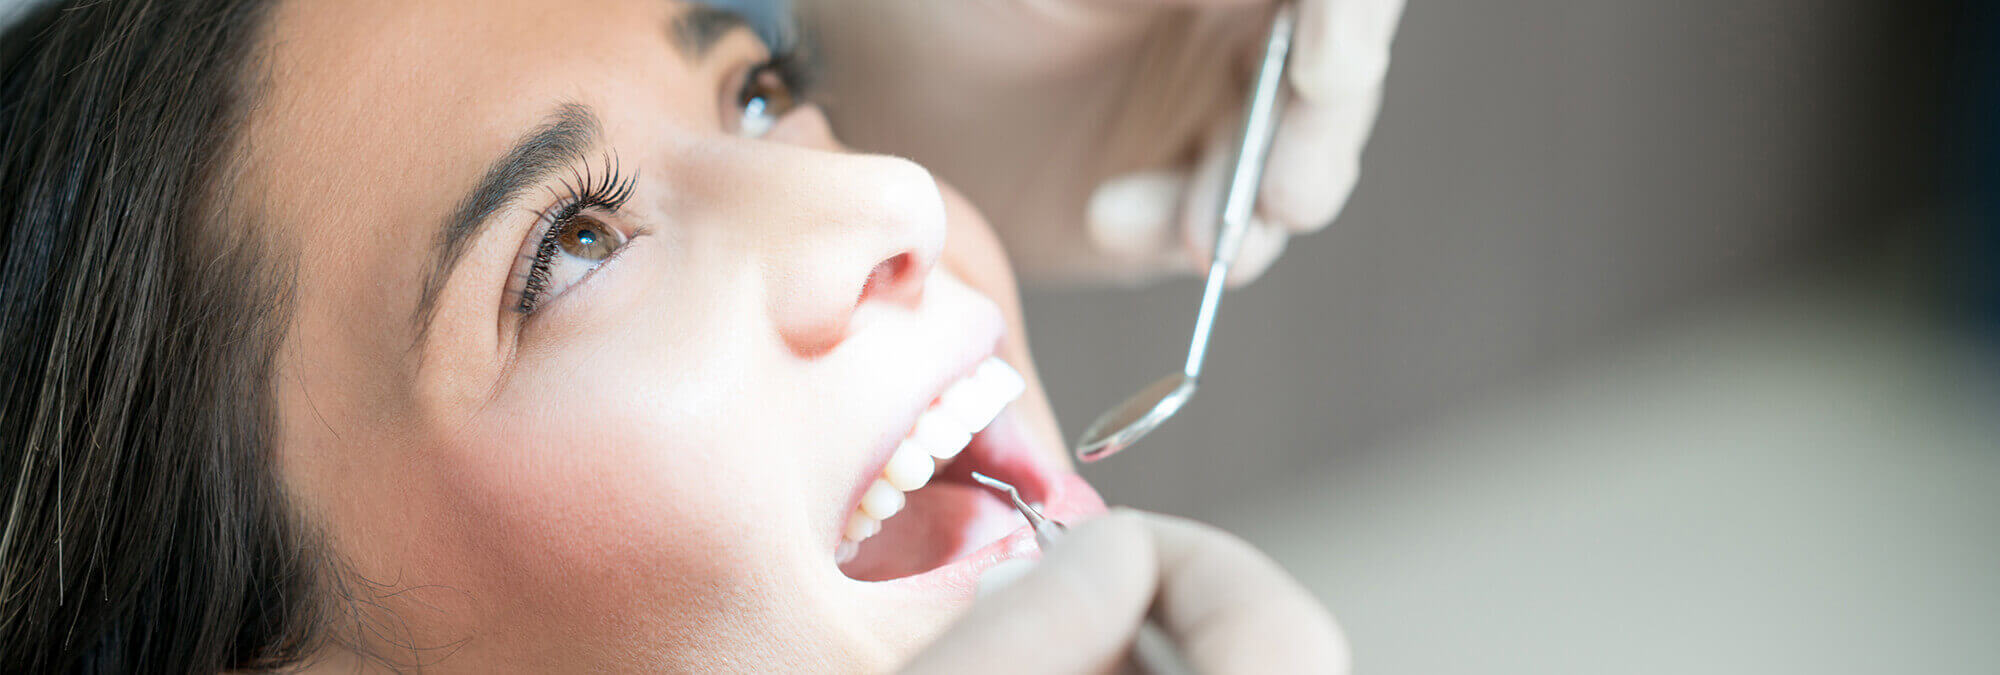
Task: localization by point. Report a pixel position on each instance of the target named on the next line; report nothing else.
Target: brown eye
(586, 238)
(765, 97)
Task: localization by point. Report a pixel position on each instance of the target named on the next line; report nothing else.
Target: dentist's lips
(952, 527)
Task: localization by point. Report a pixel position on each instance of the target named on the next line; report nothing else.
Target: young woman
(531, 336)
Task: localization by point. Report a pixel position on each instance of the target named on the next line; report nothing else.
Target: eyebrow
(565, 136)
(696, 30)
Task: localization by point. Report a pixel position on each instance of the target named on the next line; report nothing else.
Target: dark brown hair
(140, 314)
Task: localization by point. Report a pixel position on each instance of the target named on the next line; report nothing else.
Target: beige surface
(1804, 482)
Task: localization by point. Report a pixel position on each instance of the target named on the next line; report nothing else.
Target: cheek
(973, 252)
(609, 489)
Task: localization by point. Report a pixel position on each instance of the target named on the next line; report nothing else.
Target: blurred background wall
(1637, 350)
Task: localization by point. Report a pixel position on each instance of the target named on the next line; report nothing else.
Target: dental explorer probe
(1120, 427)
(1047, 529)
(1152, 650)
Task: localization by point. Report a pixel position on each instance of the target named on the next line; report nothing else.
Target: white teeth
(860, 526)
(1007, 383)
(940, 435)
(910, 468)
(941, 432)
(969, 403)
(975, 400)
(881, 500)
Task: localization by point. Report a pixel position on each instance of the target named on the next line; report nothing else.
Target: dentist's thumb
(1228, 607)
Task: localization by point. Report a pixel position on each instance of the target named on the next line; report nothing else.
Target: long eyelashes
(606, 186)
(607, 189)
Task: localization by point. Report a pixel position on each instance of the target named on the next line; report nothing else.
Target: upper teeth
(939, 434)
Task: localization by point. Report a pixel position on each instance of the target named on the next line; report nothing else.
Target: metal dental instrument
(1152, 649)
(1047, 530)
(1120, 427)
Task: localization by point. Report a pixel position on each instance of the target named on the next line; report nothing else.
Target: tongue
(942, 522)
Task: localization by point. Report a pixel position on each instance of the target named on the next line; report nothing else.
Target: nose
(841, 232)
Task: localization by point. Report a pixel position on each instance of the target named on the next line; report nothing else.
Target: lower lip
(1070, 500)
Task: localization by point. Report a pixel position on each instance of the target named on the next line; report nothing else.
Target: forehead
(361, 92)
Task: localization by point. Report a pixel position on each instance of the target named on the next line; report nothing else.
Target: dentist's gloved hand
(1094, 133)
(1229, 607)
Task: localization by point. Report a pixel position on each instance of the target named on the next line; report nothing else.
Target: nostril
(887, 275)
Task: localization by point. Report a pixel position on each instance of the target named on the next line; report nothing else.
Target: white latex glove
(1168, 215)
(1094, 133)
(1228, 607)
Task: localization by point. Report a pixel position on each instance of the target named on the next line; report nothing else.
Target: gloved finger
(1201, 207)
(1262, 246)
(1315, 160)
(1234, 610)
(1340, 58)
(1162, 220)
(1075, 612)
(1228, 607)
(1342, 47)
(1201, 215)
(1133, 220)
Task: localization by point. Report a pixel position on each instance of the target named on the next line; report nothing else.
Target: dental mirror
(1121, 426)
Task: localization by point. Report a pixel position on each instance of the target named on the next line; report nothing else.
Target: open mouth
(924, 511)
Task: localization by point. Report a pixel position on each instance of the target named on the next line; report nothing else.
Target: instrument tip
(992, 482)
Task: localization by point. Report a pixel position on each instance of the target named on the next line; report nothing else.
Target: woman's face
(599, 344)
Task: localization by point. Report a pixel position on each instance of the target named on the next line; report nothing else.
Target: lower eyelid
(525, 260)
(551, 301)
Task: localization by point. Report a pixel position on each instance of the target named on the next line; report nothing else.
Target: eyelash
(794, 68)
(611, 188)
(608, 191)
